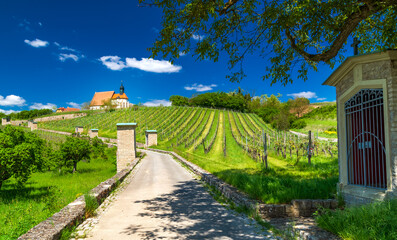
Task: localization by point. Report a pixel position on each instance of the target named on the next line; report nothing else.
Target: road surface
(164, 201)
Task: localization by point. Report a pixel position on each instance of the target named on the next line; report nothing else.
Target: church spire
(121, 88)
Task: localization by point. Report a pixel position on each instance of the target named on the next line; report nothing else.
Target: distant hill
(322, 111)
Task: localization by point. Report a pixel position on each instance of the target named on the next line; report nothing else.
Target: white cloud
(12, 100)
(43, 106)
(156, 103)
(64, 48)
(145, 64)
(8, 111)
(151, 65)
(112, 62)
(36, 43)
(74, 105)
(198, 37)
(200, 87)
(321, 99)
(64, 56)
(307, 95)
(181, 54)
(40, 24)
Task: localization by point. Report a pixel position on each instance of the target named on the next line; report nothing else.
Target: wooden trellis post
(309, 148)
(265, 149)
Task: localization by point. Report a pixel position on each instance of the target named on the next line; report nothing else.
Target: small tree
(299, 105)
(74, 150)
(20, 154)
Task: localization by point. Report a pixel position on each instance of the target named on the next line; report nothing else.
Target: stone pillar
(5, 121)
(93, 133)
(126, 144)
(79, 129)
(151, 138)
(33, 126)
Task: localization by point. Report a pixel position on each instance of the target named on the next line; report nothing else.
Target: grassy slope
(321, 119)
(46, 193)
(178, 126)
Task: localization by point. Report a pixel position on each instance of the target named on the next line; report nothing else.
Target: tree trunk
(74, 167)
(1, 183)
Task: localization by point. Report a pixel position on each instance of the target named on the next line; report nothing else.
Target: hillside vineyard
(197, 129)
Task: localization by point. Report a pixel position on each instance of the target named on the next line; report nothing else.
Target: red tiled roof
(117, 95)
(69, 109)
(100, 97)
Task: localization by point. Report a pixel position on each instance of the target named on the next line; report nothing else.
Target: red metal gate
(366, 154)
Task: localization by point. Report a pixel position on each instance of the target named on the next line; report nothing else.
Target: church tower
(121, 88)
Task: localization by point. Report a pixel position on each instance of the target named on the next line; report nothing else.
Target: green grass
(46, 193)
(372, 221)
(320, 125)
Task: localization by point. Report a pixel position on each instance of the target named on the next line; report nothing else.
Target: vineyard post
(309, 148)
(246, 144)
(265, 148)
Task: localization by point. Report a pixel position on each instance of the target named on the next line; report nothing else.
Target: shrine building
(366, 97)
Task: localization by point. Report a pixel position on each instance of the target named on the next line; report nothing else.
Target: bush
(299, 124)
(20, 154)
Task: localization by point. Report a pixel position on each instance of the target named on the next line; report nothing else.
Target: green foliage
(299, 34)
(373, 221)
(30, 114)
(20, 154)
(73, 150)
(221, 100)
(299, 124)
(98, 148)
(324, 112)
(91, 204)
(179, 101)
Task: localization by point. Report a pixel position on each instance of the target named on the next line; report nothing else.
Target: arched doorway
(365, 135)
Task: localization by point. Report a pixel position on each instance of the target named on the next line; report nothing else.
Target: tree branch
(364, 11)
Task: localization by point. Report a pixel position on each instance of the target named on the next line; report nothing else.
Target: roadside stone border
(73, 213)
(293, 217)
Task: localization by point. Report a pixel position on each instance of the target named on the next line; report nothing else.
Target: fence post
(309, 148)
(265, 148)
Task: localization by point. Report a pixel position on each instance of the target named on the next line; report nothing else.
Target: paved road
(164, 201)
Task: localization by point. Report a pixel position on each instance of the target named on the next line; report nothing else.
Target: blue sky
(62, 52)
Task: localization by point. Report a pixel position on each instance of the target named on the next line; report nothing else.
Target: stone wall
(346, 83)
(60, 117)
(391, 81)
(297, 208)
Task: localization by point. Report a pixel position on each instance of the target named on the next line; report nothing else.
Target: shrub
(20, 154)
(299, 124)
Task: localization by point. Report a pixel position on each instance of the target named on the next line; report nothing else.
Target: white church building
(117, 100)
